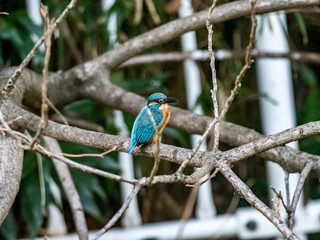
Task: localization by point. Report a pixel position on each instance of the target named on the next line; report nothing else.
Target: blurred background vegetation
(82, 37)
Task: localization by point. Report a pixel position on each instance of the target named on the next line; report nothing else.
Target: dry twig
(44, 90)
(37, 147)
(187, 211)
(214, 77)
(121, 211)
(243, 190)
(157, 151)
(89, 154)
(248, 62)
(303, 175)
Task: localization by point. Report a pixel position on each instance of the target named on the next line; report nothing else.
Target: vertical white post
(276, 100)
(131, 217)
(205, 205)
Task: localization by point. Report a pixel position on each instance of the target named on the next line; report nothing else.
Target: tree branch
(243, 190)
(220, 54)
(173, 29)
(70, 189)
(121, 211)
(177, 154)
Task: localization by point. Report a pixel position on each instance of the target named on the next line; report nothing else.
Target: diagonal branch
(243, 190)
(121, 211)
(303, 175)
(70, 190)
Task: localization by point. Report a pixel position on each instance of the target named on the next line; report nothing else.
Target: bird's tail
(133, 144)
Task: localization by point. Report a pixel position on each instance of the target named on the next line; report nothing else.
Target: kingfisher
(143, 130)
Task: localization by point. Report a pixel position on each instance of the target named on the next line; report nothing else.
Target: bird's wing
(143, 129)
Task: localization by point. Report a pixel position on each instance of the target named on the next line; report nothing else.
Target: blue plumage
(143, 130)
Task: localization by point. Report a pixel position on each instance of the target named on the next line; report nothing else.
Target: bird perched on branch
(143, 130)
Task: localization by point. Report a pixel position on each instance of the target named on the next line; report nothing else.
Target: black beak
(170, 100)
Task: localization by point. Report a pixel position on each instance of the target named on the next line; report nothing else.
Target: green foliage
(16, 39)
(30, 197)
(302, 26)
(8, 229)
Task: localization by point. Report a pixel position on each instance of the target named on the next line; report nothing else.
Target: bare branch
(176, 28)
(177, 154)
(71, 163)
(157, 150)
(214, 77)
(234, 91)
(89, 154)
(187, 211)
(220, 54)
(70, 190)
(243, 190)
(303, 175)
(121, 211)
(44, 90)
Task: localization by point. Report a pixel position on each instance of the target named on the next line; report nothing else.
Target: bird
(143, 130)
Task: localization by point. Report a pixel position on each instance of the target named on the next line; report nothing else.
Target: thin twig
(138, 11)
(121, 211)
(248, 62)
(44, 90)
(37, 147)
(210, 177)
(153, 12)
(82, 167)
(303, 175)
(157, 151)
(13, 79)
(4, 13)
(244, 191)
(279, 195)
(213, 76)
(286, 181)
(56, 110)
(89, 154)
(187, 211)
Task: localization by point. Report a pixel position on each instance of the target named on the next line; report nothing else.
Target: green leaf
(8, 228)
(31, 203)
(302, 27)
(308, 76)
(312, 107)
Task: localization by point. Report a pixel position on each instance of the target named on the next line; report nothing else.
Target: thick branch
(177, 154)
(173, 29)
(11, 158)
(290, 159)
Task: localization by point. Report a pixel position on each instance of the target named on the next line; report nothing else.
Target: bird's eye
(160, 101)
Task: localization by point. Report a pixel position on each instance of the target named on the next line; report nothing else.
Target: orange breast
(166, 116)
